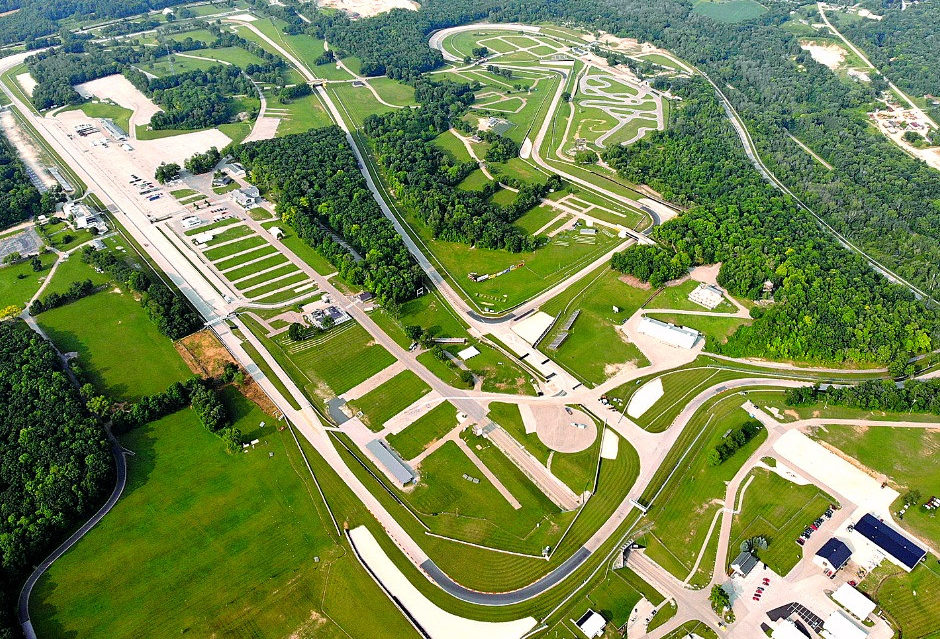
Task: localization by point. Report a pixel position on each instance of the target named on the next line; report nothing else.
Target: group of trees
(733, 442)
(76, 291)
(173, 317)
(19, 198)
(203, 162)
(287, 94)
(314, 179)
(424, 178)
(875, 394)
(167, 172)
(55, 462)
(651, 264)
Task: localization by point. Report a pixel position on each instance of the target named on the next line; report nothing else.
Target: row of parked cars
(813, 527)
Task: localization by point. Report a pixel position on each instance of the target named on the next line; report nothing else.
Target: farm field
(430, 427)
(182, 526)
(595, 348)
(777, 510)
(390, 398)
(903, 454)
(729, 11)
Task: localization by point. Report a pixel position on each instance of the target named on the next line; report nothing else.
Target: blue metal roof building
(833, 555)
(905, 553)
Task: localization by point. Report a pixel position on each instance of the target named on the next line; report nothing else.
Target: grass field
(729, 11)
(19, 282)
(250, 269)
(683, 511)
(267, 546)
(906, 455)
(595, 348)
(615, 595)
(454, 147)
(357, 102)
(909, 598)
(119, 114)
(427, 429)
(329, 364)
(677, 298)
(389, 399)
(778, 510)
(301, 115)
(146, 361)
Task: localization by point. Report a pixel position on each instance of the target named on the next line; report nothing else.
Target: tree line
(19, 198)
(877, 394)
(55, 462)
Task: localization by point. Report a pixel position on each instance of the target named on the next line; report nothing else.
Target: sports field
(389, 399)
(777, 510)
(595, 348)
(267, 546)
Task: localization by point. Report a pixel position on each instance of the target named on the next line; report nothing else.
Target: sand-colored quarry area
(830, 55)
(27, 81)
(366, 8)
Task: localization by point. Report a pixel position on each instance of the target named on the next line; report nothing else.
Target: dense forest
(829, 305)
(425, 179)
(904, 45)
(315, 181)
(19, 198)
(36, 18)
(55, 463)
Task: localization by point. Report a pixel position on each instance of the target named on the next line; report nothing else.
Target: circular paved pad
(556, 428)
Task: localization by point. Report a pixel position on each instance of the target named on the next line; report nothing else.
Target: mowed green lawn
(576, 470)
(19, 282)
(424, 431)
(389, 399)
(329, 364)
(204, 543)
(682, 513)
(677, 298)
(595, 348)
(119, 348)
(906, 455)
(561, 256)
(910, 599)
(777, 510)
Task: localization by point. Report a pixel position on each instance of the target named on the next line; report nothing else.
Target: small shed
(744, 563)
(832, 556)
(591, 624)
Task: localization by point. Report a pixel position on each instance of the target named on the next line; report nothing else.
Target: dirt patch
(829, 55)
(310, 627)
(204, 353)
(25, 147)
(791, 413)
(630, 280)
(206, 356)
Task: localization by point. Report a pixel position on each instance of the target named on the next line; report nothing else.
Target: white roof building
(591, 624)
(786, 629)
(854, 601)
(707, 295)
(468, 352)
(838, 626)
(678, 336)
